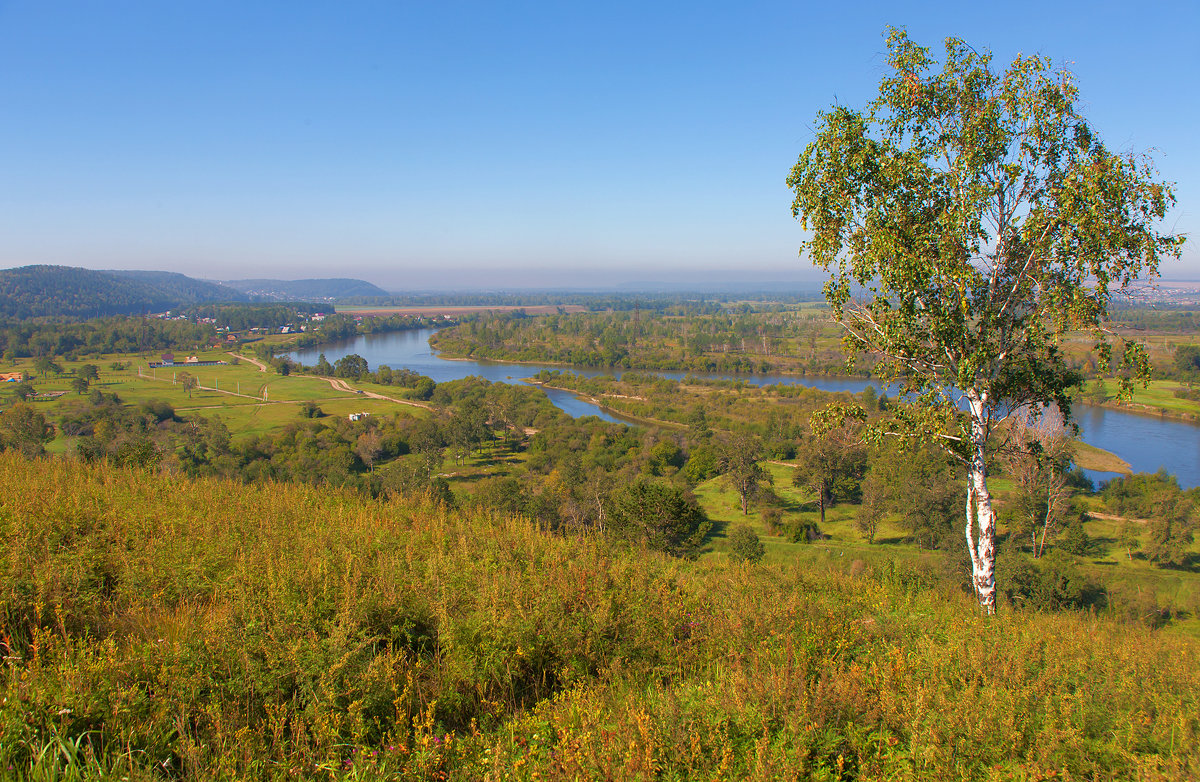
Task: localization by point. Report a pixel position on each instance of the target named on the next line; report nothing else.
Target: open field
(1157, 398)
(248, 400)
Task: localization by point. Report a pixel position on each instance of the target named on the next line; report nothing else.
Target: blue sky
(432, 144)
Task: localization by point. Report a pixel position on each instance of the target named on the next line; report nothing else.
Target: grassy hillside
(159, 627)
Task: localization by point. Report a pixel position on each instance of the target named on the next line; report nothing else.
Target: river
(1146, 442)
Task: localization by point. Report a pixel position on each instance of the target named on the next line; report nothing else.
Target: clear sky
(444, 143)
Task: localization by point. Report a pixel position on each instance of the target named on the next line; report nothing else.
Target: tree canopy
(968, 218)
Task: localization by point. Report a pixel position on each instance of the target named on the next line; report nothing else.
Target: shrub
(744, 545)
(1053, 582)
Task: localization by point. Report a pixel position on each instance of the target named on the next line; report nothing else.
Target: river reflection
(1146, 442)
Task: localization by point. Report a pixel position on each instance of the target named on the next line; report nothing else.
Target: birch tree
(967, 219)
(1036, 458)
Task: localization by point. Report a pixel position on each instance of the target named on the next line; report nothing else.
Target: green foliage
(831, 466)
(664, 458)
(310, 290)
(24, 429)
(351, 366)
(243, 317)
(1187, 361)
(659, 515)
(1052, 582)
(24, 391)
(703, 463)
(1075, 539)
(46, 365)
(423, 389)
(101, 335)
(63, 291)
(691, 336)
(740, 468)
(744, 545)
(967, 219)
(919, 489)
(805, 531)
(1171, 514)
(1030, 210)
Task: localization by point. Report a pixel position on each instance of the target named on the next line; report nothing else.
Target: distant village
(316, 317)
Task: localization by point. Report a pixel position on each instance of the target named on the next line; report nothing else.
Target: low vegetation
(288, 632)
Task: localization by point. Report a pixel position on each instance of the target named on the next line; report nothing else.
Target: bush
(1053, 582)
(661, 515)
(1141, 606)
(1075, 539)
(744, 545)
(806, 532)
(772, 520)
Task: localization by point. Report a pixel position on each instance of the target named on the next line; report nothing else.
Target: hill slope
(223, 630)
(67, 291)
(308, 290)
(183, 289)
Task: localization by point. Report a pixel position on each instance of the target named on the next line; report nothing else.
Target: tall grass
(202, 629)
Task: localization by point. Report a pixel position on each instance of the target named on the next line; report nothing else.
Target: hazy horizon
(473, 144)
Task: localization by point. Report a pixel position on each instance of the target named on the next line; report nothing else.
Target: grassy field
(1158, 398)
(247, 399)
(163, 628)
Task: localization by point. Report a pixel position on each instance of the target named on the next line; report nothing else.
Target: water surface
(1148, 443)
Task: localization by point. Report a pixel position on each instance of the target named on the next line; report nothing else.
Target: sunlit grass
(161, 627)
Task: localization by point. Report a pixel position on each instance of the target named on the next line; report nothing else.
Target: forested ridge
(69, 292)
(325, 289)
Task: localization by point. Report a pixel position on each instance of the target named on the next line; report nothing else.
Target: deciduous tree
(661, 515)
(25, 429)
(831, 467)
(1036, 459)
(189, 382)
(968, 218)
(741, 469)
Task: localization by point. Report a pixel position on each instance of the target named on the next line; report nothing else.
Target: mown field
(248, 400)
(159, 627)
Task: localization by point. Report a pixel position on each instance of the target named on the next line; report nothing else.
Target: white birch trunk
(981, 521)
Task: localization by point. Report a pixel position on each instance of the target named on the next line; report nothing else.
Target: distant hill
(183, 289)
(307, 290)
(67, 291)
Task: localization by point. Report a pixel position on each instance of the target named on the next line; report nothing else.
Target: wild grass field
(158, 627)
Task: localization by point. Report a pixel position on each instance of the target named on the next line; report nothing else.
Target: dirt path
(341, 385)
(261, 366)
(336, 382)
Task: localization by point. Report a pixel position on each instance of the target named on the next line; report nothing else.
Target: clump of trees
(1154, 502)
